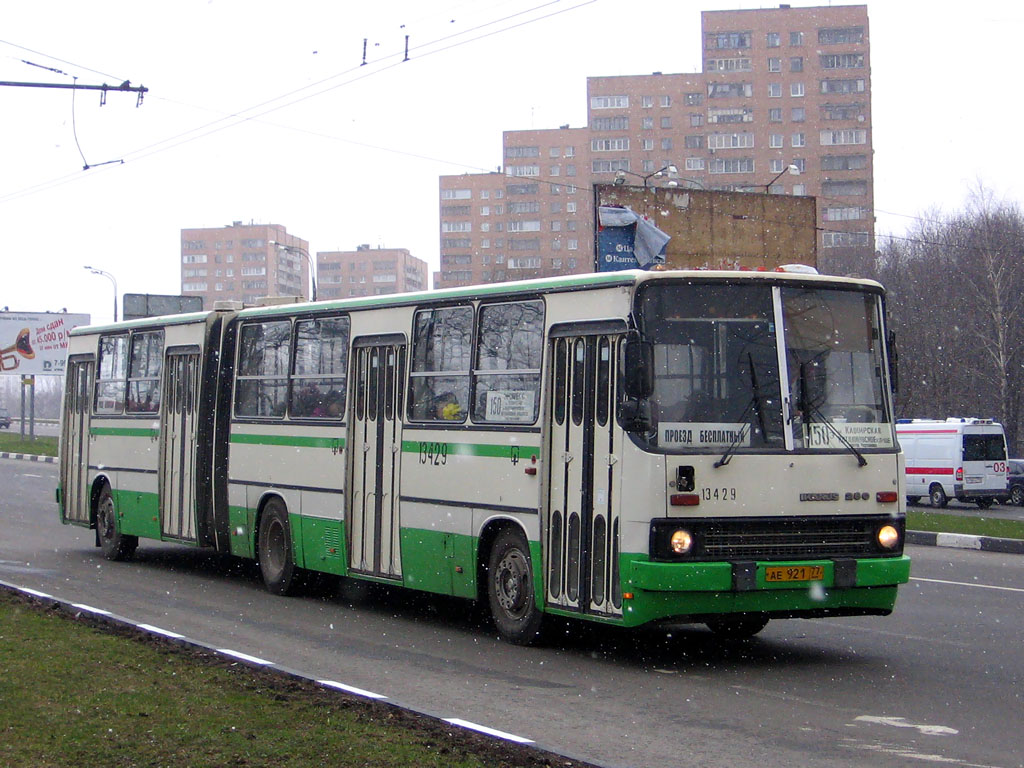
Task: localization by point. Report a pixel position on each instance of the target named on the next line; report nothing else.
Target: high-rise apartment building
(782, 106)
(243, 262)
(368, 271)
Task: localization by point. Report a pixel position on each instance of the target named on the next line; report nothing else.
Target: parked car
(5, 418)
(1015, 482)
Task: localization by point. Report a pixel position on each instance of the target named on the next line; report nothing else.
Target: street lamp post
(303, 252)
(112, 279)
(792, 170)
(620, 176)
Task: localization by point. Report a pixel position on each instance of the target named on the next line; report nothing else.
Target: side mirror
(638, 369)
(894, 359)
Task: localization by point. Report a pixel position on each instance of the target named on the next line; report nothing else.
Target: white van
(963, 459)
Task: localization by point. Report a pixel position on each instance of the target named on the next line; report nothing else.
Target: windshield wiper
(755, 404)
(805, 403)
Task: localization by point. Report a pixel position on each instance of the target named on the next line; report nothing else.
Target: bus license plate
(794, 573)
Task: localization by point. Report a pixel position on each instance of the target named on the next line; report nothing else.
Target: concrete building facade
(368, 271)
(243, 262)
(782, 106)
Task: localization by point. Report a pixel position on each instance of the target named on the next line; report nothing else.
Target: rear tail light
(960, 474)
(886, 497)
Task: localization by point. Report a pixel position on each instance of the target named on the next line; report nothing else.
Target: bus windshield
(761, 367)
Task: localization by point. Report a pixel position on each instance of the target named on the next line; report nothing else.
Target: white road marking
(35, 592)
(907, 752)
(968, 584)
(243, 656)
(901, 722)
(84, 607)
(159, 631)
(350, 689)
(488, 731)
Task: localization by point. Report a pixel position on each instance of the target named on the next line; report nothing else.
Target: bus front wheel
(115, 545)
(277, 565)
(510, 589)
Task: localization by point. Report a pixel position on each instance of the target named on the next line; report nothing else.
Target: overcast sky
(261, 111)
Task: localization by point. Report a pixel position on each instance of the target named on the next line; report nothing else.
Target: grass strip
(940, 522)
(75, 691)
(41, 446)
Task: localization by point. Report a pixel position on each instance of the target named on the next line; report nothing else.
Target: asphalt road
(939, 681)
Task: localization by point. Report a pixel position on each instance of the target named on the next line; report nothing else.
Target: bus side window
(442, 342)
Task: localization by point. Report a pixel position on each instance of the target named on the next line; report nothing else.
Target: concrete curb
(29, 457)
(966, 541)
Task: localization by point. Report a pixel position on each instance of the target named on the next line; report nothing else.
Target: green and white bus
(633, 447)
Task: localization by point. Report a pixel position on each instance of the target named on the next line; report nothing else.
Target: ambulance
(957, 458)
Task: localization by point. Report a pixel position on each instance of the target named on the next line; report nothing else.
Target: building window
(646, 101)
(775, 166)
(456, 194)
(696, 120)
(775, 115)
(516, 152)
(771, 40)
(693, 142)
(854, 111)
(665, 101)
(610, 166)
(446, 226)
(666, 122)
(851, 85)
(796, 38)
(573, 245)
(844, 162)
(522, 170)
(774, 64)
(841, 35)
(730, 90)
(617, 123)
(570, 207)
(775, 90)
(524, 226)
(609, 145)
(609, 102)
(775, 140)
(842, 60)
(694, 99)
(647, 144)
(731, 165)
(720, 40)
(843, 137)
(798, 140)
(852, 188)
(730, 140)
(845, 213)
(731, 115)
(845, 239)
(796, 89)
(800, 163)
(695, 163)
(728, 65)
(666, 145)
(800, 189)
(798, 114)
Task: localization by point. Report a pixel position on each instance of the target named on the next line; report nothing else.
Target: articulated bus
(635, 447)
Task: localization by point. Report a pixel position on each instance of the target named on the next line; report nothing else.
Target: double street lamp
(620, 176)
(112, 279)
(303, 252)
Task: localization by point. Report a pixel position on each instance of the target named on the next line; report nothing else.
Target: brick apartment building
(368, 271)
(243, 262)
(779, 88)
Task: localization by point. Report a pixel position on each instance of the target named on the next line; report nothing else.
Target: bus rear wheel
(277, 564)
(510, 589)
(114, 544)
(737, 627)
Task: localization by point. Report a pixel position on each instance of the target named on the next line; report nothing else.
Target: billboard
(35, 343)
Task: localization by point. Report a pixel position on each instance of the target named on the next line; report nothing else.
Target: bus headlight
(681, 541)
(888, 537)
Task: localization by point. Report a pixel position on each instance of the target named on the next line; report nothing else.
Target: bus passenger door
(376, 452)
(582, 522)
(74, 458)
(179, 408)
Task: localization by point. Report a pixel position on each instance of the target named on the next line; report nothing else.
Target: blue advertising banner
(615, 248)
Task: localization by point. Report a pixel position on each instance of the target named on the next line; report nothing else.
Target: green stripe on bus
(290, 440)
(471, 449)
(124, 431)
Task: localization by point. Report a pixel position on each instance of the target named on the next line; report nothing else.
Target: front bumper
(688, 591)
